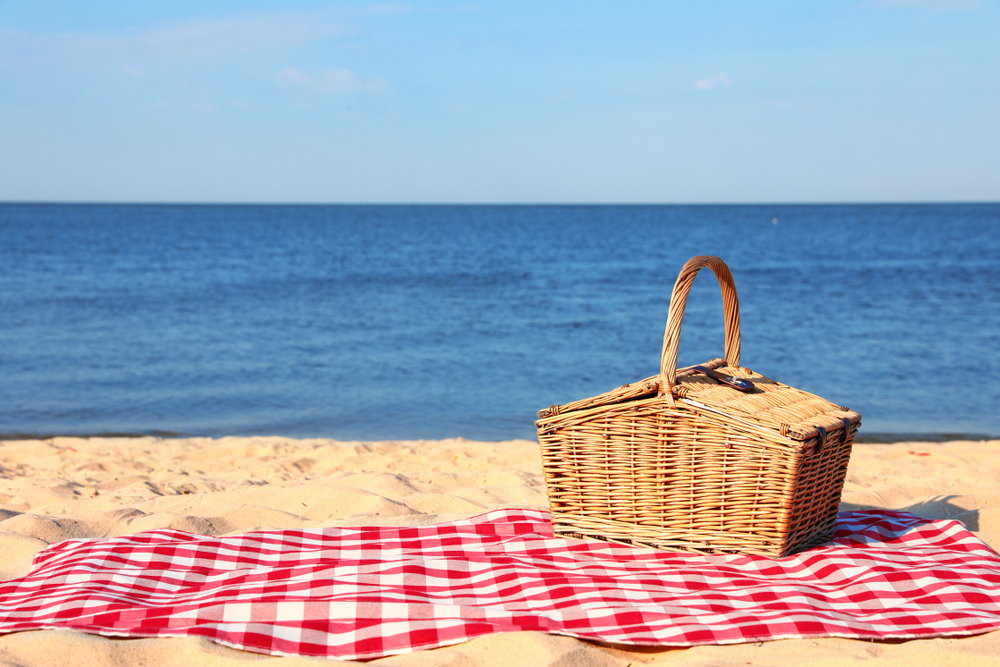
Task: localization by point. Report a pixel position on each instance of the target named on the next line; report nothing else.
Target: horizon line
(15, 202)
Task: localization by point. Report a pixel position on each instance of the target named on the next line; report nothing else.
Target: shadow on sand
(940, 507)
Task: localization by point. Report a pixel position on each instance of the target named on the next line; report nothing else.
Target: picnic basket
(713, 458)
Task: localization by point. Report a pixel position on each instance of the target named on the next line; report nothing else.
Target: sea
(422, 322)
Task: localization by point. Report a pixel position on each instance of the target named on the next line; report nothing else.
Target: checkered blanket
(368, 592)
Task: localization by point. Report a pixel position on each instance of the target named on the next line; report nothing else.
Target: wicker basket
(713, 458)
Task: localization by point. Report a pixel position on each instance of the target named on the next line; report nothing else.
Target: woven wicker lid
(788, 411)
(791, 412)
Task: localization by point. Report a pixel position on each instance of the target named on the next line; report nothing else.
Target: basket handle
(678, 300)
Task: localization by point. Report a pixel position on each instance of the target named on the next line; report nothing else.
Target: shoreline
(862, 438)
(70, 487)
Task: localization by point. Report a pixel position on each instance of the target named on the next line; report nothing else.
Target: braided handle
(678, 300)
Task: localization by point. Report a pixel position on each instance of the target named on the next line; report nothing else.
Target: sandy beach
(61, 488)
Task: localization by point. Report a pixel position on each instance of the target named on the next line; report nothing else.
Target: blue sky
(632, 102)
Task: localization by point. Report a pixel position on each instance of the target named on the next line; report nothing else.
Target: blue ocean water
(378, 322)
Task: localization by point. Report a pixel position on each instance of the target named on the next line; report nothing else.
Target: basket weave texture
(682, 461)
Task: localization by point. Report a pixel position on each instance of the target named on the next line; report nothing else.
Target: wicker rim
(678, 301)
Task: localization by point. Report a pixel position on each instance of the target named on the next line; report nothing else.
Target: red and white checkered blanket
(368, 592)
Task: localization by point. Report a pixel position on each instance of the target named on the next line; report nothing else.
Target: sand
(61, 488)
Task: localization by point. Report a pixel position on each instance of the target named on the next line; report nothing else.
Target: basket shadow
(939, 507)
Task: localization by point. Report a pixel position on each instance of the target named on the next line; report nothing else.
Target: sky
(500, 102)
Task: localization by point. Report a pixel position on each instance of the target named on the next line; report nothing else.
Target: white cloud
(133, 72)
(329, 80)
(934, 5)
(390, 8)
(292, 75)
(713, 81)
(195, 38)
(213, 36)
